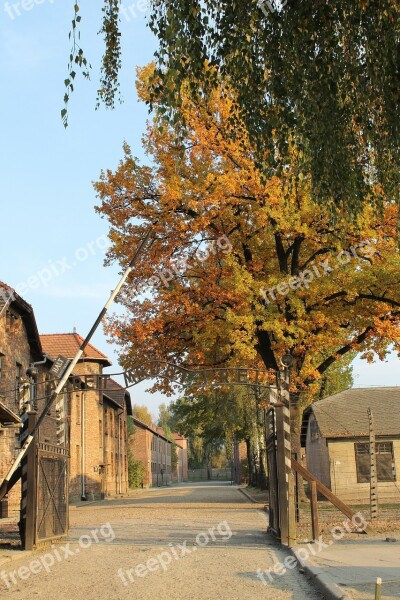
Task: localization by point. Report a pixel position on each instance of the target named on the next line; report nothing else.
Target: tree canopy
(142, 414)
(324, 74)
(242, 268)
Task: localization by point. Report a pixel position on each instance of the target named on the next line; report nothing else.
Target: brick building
(117, 406)
(98, 422)
(180, 473)
(153, 449)
(239, 458)
(20, 349)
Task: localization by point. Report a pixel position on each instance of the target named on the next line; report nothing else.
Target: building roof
(119, 395)
(344, 415)
(9, 295)
(68, 344)
(7, 287)
(157, 431)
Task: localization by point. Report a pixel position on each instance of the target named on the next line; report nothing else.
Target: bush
(136, 471)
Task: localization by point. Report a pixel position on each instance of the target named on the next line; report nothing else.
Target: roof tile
(68, 344)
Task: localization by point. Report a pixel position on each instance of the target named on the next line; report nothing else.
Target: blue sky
(48, 223)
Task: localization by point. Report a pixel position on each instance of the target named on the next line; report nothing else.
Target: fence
(205, 474)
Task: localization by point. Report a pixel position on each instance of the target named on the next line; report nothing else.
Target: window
(384, 462)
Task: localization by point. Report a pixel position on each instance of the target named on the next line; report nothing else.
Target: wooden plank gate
(45, 485)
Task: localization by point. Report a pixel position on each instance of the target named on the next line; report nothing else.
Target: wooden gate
(45, 484)
(51, 493)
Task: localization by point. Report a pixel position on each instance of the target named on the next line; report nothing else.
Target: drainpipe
(119, 454)
(83, 445)
(158, 455)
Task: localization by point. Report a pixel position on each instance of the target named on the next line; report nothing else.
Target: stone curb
(322, 581)
(330, 589)
(245, 493)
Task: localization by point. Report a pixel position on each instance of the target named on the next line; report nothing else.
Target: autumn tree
(142, 414)
(324, 73)
(166, 419)
(338, 377)
(218, 419)
(242, 269)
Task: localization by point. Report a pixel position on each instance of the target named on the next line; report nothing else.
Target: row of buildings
(154, 449)
(91, 416)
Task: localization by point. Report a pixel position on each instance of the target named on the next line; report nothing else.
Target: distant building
(153, 449)
(335, 434)
(180, 473)
(239, 458)
(98, 423)
(117, 407)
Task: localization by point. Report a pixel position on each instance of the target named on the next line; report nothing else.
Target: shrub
(136, 471)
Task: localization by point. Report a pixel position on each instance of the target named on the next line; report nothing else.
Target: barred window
(385, 466)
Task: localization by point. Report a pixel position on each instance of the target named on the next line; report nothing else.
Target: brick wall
(181, 471)
(86, 441)
(14, 350)
(160, 460)
(239, 454)
(140, 443)
(148, 446)
(115, 447)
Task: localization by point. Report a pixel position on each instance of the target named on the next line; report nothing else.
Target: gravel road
(200, 541)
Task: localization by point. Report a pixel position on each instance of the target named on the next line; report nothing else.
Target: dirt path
(199, 541)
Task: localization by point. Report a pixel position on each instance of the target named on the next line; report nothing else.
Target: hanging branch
(111, 62)
(76, 58)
